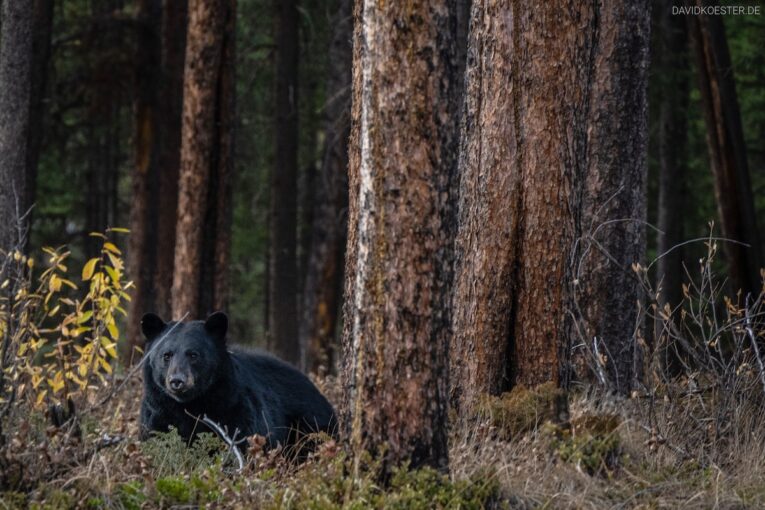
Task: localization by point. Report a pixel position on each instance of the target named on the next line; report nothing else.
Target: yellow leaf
(114, 275)
(88, 268)
(85, 316)
(113, 331)
(82, 370)
(105, 365)
(41, 396)
(110, 247)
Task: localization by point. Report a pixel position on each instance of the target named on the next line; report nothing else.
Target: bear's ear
(216, 326)
(151, 326)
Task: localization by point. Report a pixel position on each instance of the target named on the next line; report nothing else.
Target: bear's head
(185, 357)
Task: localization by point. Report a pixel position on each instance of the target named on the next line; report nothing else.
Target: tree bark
(321, 295)
(41, 46)
(283, 285)
(16, 57)
(614, 199)
(399, 253)
(673, 141)
(727, 153)
(200, 146)
(174, 27)
(144, 196)
(522, 163)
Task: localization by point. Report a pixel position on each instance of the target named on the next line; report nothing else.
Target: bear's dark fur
(192, 372)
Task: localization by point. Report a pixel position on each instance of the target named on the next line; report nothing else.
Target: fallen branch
(222, 433)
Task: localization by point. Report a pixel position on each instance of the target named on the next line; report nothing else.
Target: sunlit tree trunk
(398, 271)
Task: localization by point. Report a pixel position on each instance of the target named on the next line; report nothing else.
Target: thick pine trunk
(174, 27)
(142, 244)
(522, 162)
(399, 256)
(614, 198)
(727, 153)
(16, 57)
(673, 141)
(321, 295)
(201, 146)
(283, 273)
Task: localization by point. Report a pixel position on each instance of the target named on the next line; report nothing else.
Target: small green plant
(521, 410)
(592, 443)
(170, 455)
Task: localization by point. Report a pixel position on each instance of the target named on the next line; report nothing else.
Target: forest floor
(606, 453)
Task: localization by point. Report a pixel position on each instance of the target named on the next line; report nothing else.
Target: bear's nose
(176, 383)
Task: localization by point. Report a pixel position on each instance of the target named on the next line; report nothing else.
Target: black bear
(191, 372)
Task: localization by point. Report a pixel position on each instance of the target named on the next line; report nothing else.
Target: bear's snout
(176, 383)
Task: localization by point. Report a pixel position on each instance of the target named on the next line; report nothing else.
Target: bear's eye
(193, 355)
(167, 356)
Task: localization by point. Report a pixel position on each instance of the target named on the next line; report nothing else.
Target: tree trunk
(727, 153)
(174, 25)
(16, 56)
(673, 141)
(321, 296)
(41, 46)
(522, 162)
(614, 199)
(283, 320)
(398, 272)
(144, 196)
(200, 146)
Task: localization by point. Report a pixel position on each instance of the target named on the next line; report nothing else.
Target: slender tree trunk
(673, 141)
(321, 296)
(283, 320)
(41, 46)
(144, 196)
(614, 205)
(727, 153)
(174, 25)
(16, 70)
(398, 274)
(199, 145)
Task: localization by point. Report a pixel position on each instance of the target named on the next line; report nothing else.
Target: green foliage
(592, 443)
(130, 495)
(170, 455)
(521, 410)
(327, 484)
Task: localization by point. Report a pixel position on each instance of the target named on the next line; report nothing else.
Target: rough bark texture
(16, 56)
(321, 295)
(402, 162)
(283, 285)
(673, 141)
(614, 199)
(522, 162)
(727, 153)
(142, 243)
(174, 21)
(204, 54)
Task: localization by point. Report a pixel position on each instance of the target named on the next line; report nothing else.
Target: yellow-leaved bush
(59, 332)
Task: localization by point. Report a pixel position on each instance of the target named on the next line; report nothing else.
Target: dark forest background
(107, 105)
